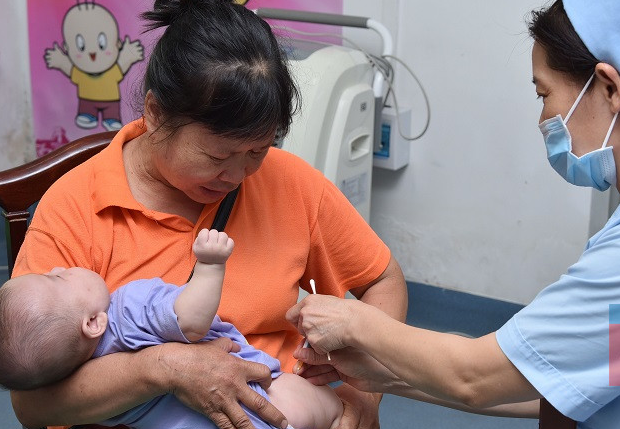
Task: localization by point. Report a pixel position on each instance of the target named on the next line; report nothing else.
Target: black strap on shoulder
(222, 214)
(223, 211)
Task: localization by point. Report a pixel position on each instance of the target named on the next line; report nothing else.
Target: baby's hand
(212, 246)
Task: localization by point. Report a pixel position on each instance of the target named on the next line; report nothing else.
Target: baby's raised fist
(212, 246)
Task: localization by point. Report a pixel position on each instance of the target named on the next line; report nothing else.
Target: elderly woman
(558, 347)
(217, 91)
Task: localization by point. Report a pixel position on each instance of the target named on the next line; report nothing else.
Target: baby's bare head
(41, 327)
(40, 339)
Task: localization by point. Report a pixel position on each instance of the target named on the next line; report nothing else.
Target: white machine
(342, 98)
(334, 130)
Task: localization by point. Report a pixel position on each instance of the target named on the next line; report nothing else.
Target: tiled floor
(431, 308)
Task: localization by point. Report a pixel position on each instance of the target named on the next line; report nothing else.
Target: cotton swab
(313, 287)
(299, 365)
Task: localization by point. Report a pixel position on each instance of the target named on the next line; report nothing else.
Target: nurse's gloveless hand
(353, 366)
(326, 321)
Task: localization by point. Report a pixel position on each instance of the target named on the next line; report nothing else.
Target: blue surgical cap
(597, 23)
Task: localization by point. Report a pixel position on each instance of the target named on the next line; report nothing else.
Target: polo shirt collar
(110, 185)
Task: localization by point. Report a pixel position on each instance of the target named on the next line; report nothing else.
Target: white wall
(16, 136)
(478, 209)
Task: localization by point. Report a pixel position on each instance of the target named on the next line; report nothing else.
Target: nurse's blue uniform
(560, 342)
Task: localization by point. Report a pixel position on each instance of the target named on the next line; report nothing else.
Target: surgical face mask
(596, 169)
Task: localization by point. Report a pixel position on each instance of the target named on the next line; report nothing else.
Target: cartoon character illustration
(96, 60)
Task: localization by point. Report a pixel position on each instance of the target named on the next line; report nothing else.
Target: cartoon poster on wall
(87, 59)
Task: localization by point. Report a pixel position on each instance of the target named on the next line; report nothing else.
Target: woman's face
(205, 167)
(589, 122)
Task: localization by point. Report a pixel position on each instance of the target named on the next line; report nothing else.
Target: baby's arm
(196, 306)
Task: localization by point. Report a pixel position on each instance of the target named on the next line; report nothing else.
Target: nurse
(558, 347)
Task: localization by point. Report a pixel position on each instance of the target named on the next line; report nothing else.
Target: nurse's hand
(353, 366)
(206, 378)
(325, 320)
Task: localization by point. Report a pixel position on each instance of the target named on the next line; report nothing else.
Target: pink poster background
(54, 96)
(614, 354)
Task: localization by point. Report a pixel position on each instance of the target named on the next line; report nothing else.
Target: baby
(52, 323)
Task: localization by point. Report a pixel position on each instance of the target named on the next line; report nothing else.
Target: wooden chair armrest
(22, 186)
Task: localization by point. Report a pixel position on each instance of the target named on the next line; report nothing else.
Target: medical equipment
(393, 153)
(335, 127)
(341, 98)
(345, 127)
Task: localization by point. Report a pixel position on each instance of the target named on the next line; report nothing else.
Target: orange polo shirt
(289, 224)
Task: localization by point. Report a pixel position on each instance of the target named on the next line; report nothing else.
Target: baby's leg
(305, 405)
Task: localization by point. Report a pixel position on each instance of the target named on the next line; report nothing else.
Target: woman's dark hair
(565, 50)
(219, 64)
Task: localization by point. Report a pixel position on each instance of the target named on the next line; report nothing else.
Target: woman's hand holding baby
(199, 375)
